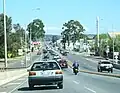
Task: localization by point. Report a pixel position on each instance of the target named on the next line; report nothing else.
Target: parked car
(45, 73)
(105, 65)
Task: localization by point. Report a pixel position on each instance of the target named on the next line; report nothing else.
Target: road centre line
(90, 89)
(17, 86)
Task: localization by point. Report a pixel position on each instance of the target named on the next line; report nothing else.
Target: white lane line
(90, 89)
(17, 86)
(13, 84)
(75, 82)
(3, 92)
(20, 79)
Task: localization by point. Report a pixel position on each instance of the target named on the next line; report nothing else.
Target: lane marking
(3, 92)
(13, 84)
(20, 79)
(75, 82)
(90, 89)
(18, 86)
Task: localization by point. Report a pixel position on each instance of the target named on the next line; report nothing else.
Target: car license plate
(46, 73)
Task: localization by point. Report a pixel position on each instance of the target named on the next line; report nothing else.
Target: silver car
(45, 73)
(105, 65)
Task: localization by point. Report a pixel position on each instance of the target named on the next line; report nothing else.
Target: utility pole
(5, 40)
(25, 50)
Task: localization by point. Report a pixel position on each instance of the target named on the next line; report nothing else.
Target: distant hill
(49, 37)
(91, 36)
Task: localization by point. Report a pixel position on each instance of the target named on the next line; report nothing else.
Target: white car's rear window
(105, 62)
(45, 66)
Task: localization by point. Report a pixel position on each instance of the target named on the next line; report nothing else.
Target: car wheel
(111, 70)
(98, 70)
(31, 86)
(66, 66)
(60, 85)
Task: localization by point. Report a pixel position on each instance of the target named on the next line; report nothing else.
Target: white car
(105, 65)
(45, 73)
(56, 57)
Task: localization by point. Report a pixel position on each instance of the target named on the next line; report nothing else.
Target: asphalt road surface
(82, 83)
(89, 64)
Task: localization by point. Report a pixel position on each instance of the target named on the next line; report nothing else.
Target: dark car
(44, 51)
(46, 56)
(64, 53)
(62, 63)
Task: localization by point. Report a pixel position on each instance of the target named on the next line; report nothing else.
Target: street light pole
(5, 40)
(97, 31)
(30, 48)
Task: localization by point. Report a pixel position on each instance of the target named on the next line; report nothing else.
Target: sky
(54, 13)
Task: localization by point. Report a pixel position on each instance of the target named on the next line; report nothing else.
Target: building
(113, 34)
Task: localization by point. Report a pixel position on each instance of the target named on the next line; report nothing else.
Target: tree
(8, 30)
(36, 27)
(72, 30)
(20, 33)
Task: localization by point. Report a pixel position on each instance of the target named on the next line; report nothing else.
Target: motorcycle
(75, 70)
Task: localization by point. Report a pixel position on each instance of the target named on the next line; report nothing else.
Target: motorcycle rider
(75, 66)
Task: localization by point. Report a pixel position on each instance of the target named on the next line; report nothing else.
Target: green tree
(8, 30)
(72, 30)
(117, 43)
(20, 33)
(103, 42)
(36, 27)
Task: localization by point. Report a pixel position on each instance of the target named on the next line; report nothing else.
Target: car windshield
(45, 66)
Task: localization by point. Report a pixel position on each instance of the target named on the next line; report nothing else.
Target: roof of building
(113, 34)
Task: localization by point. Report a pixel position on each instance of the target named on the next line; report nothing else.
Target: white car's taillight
(58, 72)
(32, 73)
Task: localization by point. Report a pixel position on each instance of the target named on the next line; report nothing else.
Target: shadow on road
(37, 88)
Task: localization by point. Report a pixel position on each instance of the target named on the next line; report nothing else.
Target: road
(82, 83)
(86, 63)
(89, 64)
